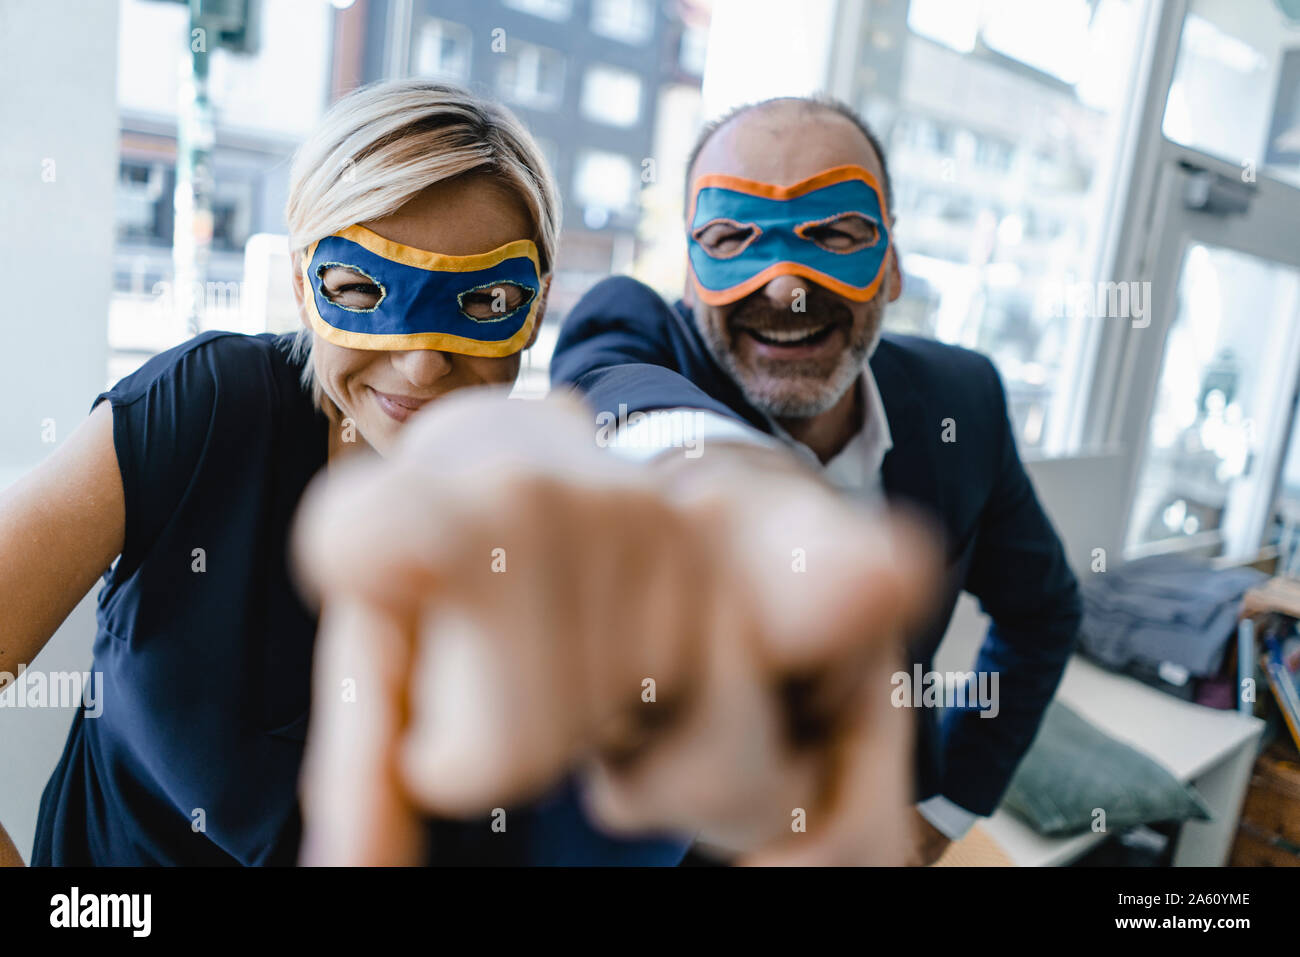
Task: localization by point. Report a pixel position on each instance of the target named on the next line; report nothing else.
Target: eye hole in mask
(725, 238)
(350, 288)
(494, 301)
(841, 233)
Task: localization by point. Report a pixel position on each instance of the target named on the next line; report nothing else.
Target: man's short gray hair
(815, 102)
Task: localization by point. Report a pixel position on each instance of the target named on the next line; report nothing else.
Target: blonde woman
(423, 223)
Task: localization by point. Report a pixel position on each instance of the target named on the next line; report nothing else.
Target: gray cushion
(1073, 767)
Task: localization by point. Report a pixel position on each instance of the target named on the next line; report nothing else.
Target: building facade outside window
(443, 49)
(531, 75)
(611, 95)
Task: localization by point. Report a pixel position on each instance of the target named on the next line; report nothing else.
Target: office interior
(1102, 196)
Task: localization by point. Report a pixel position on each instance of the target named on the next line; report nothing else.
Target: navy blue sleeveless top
(205, 648)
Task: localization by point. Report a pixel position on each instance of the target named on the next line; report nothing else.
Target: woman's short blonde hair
(379, 146)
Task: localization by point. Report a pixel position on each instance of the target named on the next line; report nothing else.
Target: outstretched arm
(501, 591)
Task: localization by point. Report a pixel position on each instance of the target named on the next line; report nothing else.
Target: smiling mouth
(804, 336)
(404, 401)
(399, 407)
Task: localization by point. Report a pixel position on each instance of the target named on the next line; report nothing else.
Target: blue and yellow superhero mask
(774, 231)
(422, 296)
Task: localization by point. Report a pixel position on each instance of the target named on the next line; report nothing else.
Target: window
(611, 95)
(694, 48)
(955, 25)
(628, 20)
(994, 153)
(1216, 391)
(232, 212)
(1001, 130)
(442, 49)
(604, 181)
(1236, 88)
(532, 75)
(144, 203)
(558, 10)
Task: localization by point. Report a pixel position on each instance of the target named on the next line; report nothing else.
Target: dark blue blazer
(622, 344)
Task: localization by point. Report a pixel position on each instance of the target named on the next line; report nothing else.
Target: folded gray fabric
(1166, 609)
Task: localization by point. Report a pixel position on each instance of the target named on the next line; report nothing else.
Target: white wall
(58, 168)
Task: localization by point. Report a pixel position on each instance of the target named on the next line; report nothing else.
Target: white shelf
(1192, 741)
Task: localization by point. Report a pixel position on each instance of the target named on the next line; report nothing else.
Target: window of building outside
(693, 51)
(631, 21)
(1001, 126)
(604, 181)
(442, 49)
(558, 10)
(611, 95)
(142, 194)
(232, 213)
(531, 75)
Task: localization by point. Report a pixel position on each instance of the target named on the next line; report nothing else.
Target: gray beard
(791, 406)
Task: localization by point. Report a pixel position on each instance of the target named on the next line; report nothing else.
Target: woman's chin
(380, 437)
(364, 429)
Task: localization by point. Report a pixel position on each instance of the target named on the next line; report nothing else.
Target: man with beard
(778, 340)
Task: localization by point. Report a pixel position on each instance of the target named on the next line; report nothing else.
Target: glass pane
(1283, 529)
(531, 75)
(1222, 382)
(1001, 123)
(1236, 87)
(264, 101)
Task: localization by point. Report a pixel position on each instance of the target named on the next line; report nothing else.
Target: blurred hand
(504, 603)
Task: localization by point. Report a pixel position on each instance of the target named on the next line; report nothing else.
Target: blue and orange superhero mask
(424, 298)
(773, 230)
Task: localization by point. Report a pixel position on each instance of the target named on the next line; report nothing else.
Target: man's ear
(295, 280)
(541, 312)
(895, 273)
(688, 294)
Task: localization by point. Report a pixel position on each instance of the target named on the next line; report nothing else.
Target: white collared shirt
(855, 470)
